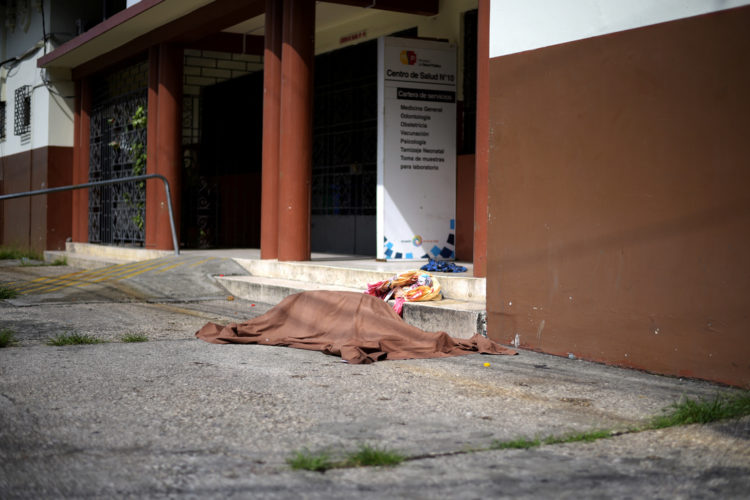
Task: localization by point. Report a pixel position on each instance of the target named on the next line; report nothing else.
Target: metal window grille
(2, 119)
(22, 116)
(117, 212)
(344, 176)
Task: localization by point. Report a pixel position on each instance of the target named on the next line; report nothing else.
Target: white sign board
(416, 196)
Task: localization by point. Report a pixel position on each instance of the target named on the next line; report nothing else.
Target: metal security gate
(117, 150)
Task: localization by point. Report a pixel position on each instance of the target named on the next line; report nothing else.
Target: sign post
(416, 193)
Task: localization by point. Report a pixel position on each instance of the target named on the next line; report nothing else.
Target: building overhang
(150, 22)
(123, 27)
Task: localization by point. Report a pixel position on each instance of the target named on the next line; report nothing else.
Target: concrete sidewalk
(183, 418)
(179, 418)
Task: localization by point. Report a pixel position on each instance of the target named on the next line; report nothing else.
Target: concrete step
(461, 313)
(458, 287)
(92, 256)
(460, 319)
(82, 261)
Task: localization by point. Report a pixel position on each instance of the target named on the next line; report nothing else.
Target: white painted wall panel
(51, 114)
(520, 25)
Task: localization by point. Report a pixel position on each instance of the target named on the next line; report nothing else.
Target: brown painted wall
(59, 205)
(619, 206)
(38, 222)
(465, 207)
(16, 213)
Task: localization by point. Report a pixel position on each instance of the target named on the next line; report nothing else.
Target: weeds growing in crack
(13, 253)
(7, 293)
(7, 337)
(687, 411)
(307, 460)
(579, 437)
(60, 261)
(374, 456)
(73, 339)
(515, 444)
(703, 411)
(365, 456)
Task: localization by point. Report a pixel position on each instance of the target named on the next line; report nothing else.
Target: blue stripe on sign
(398, 255)
(409, 255)
(446, 253)
(435, 251)
(388, 253)
(453, 223)
(450, 239)
(389, 245)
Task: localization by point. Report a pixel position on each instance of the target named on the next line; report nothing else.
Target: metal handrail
(104, 183)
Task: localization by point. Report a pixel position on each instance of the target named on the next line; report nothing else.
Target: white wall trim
(521, 25)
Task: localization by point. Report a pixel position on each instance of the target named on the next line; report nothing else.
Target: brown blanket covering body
(358, 327)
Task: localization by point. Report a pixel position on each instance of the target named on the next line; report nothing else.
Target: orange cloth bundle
(411, 286)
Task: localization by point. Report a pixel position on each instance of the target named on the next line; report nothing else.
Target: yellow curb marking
(46, 284)
(82, 276)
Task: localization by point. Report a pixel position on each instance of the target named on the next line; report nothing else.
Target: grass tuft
(365, 456)
(73, 339)
(7, 293)
(306, 460)
(585, 437)
(525, 443)
(7, 337)
(374, 456)
(60, 261)
(134, 337)
(31, 262)
(701, 411)
(13, 253)
(515, 444)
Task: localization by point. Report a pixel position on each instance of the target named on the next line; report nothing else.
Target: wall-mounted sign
(416, 196)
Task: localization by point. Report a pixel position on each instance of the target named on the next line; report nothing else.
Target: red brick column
(81, 138)
(269, 211)
(295, 154)
(168, 144)
(153, 187)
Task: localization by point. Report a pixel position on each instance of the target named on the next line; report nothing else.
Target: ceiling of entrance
(150, 22)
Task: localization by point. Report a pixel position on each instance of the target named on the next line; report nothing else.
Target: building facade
(600, 151)
(36, 125)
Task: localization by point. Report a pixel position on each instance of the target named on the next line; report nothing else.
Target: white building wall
(520, 25)
(51, 93)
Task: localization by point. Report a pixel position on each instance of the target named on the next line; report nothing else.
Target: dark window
(2, 120)
(22, 118)
(112, 7)
(468, 131)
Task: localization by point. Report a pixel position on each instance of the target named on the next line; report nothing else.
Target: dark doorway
(222, 197)
(344, 174)
(345, 136)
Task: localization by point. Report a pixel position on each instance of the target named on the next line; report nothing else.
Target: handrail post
(171, 216)
(105, 183)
